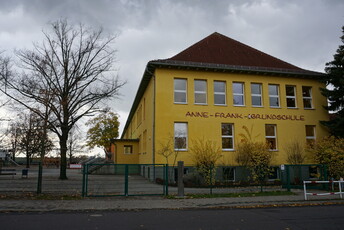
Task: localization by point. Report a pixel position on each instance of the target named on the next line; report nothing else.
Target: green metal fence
(293, 175)
(124, 180)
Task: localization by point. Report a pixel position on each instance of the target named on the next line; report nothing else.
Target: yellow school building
(210, 91)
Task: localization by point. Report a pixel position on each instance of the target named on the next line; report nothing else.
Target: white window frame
(228, 136)
(307, 98)
(180, 91)
(200, 92)
(220, 93)
(183, 134)
(257, 95)
(314, 133)
(272, 137)
(239, 94)
(291, 97)
(274, 96)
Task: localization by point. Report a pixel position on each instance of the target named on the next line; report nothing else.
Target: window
(274, 96)
(307, 97)
(144, 144)
(270, 136)
(291, 96)
(274, 173)
(128, 149)
(256, 94)
(200, 92)
(180, 92)
(180, 136)
(219, 93)
(238, 94)
(310, 135)
(228, 174)
(314, 172)
(227, 136)
(139, 116)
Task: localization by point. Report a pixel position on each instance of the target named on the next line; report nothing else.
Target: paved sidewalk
(144, 203)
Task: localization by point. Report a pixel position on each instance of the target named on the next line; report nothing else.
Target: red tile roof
(219, 49)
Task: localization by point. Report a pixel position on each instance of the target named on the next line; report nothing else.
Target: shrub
(255, 156)
(330, 151)
(295, 151)
(205, 155)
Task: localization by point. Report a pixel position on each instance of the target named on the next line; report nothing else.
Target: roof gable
(219, 49)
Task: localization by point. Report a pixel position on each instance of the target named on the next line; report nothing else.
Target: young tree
(73, 144)
(334, 79)
(12, 134)
(74, 67)
(103, 128)
(295, 151)
(30, 134)
(205, 155)
(255, 156)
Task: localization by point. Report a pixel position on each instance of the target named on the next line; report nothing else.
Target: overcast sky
(302, 32)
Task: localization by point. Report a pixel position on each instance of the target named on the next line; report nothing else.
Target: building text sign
(259, 116)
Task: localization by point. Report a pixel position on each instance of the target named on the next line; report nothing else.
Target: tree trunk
(63, 147)
(27, 161)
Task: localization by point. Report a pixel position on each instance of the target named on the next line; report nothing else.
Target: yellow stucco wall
(167, 112)
(141, 127)
(119, 155)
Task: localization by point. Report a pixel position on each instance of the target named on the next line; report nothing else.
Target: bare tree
(74, 66)
(30, 135)
(74, 145)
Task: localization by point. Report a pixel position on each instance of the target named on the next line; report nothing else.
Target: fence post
(83, 181)
(86, 179)
(166, 180)
(39, 181)
(211, 180)
(126, 177)
(288, 177)
(180, 178)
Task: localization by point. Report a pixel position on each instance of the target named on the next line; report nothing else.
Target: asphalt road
(311, 217)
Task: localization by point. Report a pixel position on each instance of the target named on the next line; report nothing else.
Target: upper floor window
(271, 137)
(238, 94)
(219, 93)
(307, 97)
(256, 94)
(274, 96)
(180, 91)
(200, 92)
(290, 96)
(227, 136)
(180, 136)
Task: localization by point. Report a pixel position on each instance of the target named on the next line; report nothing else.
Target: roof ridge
(218, 48)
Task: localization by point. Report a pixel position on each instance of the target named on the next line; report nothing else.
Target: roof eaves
(147, 75)
(234, 68)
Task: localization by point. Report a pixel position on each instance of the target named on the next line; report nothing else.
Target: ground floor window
(227, 136)
(270, 136)
(128, 149)
(180, 136)
(310, 134)
(314, 172)
(274, 175)
(228, 174)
